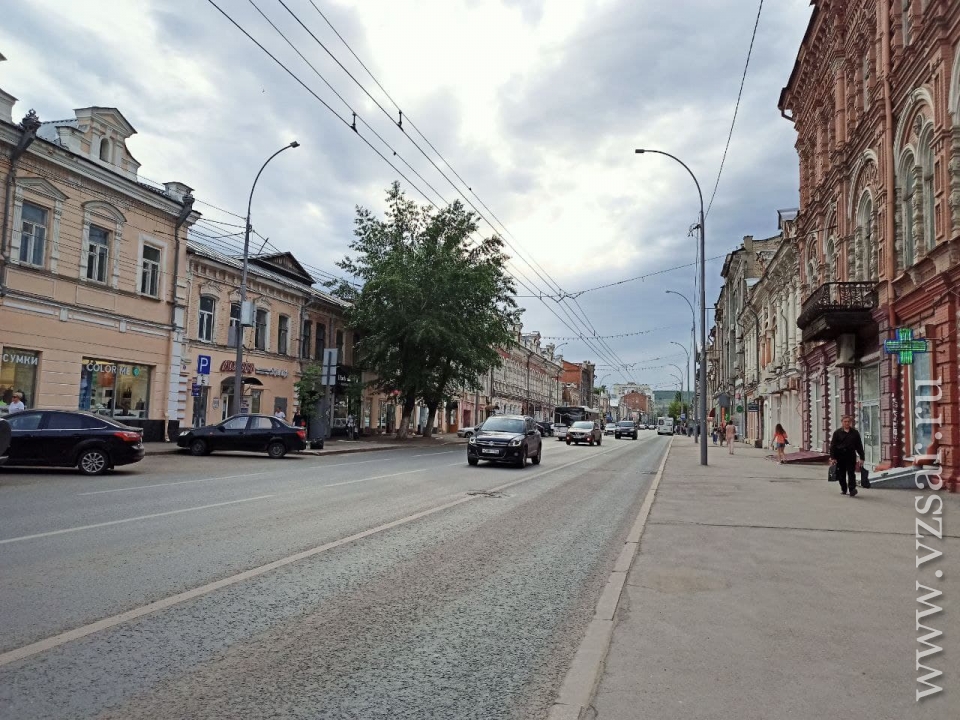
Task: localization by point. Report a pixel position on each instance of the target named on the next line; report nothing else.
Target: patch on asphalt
(487, 493)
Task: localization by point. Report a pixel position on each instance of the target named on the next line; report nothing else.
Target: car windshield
(625, 424)
(511, 425)
(583, 425)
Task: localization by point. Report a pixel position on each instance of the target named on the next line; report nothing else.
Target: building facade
(875, 99)
(92, 274)
(577, 382)
(527, 380)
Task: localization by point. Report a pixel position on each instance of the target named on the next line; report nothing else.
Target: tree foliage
(433, 306)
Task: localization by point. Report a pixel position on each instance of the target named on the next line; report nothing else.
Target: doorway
(869, 419)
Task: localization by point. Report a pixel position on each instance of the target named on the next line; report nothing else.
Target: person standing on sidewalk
(779, 442)
(731, 435)
(845, 446)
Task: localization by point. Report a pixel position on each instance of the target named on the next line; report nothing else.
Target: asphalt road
(393, 584)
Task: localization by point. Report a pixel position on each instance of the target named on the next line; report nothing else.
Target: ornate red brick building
(875, 98)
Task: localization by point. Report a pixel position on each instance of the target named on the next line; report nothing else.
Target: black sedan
(506, 439)
(625, 428)
(253, 433)
(58, 438)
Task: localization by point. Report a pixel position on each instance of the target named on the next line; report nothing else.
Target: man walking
(731, 433)
(845, 446)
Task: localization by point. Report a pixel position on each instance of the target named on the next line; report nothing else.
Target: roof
(285, 264)
(198, 248)
(48, 128)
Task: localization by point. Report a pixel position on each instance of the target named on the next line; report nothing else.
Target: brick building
(875, 98)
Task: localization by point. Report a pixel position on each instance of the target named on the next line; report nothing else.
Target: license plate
(491, 451)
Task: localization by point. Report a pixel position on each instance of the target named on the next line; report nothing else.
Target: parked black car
(506, 439)
(57, 438)
(625, 428)
(254, 433)
(4, 440)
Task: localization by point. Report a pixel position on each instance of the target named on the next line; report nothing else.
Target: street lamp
(238, 376)
(702, 380)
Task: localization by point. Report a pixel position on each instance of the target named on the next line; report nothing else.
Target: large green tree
(434, 303)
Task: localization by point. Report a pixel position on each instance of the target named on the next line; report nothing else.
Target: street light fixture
(702, 380)
(238, 376)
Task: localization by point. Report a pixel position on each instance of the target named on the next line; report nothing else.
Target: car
(60, 438)
(609, 429)
(584, 431)
(253, 433)
(626, 428)
(545, 428)
(560, 431)
(4, 440)
(665, 426)
(466, 432)
(506, 439)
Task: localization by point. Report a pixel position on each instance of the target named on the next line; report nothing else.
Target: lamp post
(702, 380)
(238, 376)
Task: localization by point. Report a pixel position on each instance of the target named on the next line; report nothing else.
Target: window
(150, 271)
(260, 330)
(256, 396)
(234, 328)
(929, 200)
(105, 150)
(283, 334)
(830, 256)
(33, 235)
(18, 373)
(236, 423)
(64, 421)
(306, 339)
(866, 80)
(866, 265)
(906, 209)
(114, 389)
(24, 421)
(261, 423)
(205, 318)
(98, 252)
(339, 346)
(321, 343)
(906, 10)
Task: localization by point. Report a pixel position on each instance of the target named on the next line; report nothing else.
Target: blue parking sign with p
(203, 365)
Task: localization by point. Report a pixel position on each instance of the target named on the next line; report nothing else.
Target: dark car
(545, 428)
(585, 431)
(58, 438)
(506, 439)
(4, 440)
(253, 433)
(625, 428)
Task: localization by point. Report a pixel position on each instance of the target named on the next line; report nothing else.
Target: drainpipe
(28, 133)
(186, 207)
(891, 229)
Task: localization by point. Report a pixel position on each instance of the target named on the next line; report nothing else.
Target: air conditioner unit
(847, 350)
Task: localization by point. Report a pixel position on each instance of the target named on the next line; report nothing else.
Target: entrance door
(869, 420)
(816, 416)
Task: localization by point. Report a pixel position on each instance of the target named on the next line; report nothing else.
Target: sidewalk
(342, 446)
(761, 593)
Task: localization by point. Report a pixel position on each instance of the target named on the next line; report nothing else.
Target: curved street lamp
(238, 376)
(702, 380)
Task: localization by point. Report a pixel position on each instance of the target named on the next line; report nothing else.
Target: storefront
(266, 387)
(19, 370)
(114, 389)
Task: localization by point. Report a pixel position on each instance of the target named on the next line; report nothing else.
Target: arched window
(906, 9)
(105, 150)
(929, 200)
(866, 80)
(813, 279)
(907, 192)
(830, 256)
(866, 250)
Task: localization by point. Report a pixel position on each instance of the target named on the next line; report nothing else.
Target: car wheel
(536, 458)
(568, 442)
(634, 437)
(616, 437)
(276, 449)
(522, 462)
(472, 461)
(93, 462)
(199, 447)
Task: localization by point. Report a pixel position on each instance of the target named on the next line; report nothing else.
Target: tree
(433, 306)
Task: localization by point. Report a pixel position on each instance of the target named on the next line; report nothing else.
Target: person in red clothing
(845, 446)
(779, 442)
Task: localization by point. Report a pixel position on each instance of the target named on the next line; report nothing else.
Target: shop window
(260, 330)
(921, 408)
(98, 253)
(114, 389)
(255, 401)
(205, 318)
(33, 235)
(234, 324)
(306, 339)
(18, 374)
(283, 334)
(150, 271)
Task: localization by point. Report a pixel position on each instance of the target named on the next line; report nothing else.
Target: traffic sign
(195, 390)
(203, 380)
(203, 364)
(683, 416)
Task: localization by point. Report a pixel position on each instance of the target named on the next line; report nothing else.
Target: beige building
(92, 273)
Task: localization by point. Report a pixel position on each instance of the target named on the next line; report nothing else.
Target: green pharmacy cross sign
(905, 346)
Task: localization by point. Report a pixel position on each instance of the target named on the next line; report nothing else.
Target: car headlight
(516, 442)
(184, 432)
(472, 440)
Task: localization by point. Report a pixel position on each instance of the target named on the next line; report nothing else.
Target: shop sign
(18, 359)
(753, 407)
(904, 346)
(272, 372)
(231, 366)
(113, 368)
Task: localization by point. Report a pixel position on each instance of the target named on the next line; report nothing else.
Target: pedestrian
(845, 446)
(279, 414)
(731, 434)
(298, 419)
(714, 434)
(779, 442)
(16, 404)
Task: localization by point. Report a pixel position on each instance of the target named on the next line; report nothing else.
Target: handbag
(832, 474)
(864, 478)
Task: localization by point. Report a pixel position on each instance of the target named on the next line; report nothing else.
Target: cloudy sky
(536, 104)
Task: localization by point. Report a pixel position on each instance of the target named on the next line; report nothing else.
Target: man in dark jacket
(845, 446)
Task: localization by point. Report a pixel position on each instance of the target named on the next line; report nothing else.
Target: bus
(568, 415)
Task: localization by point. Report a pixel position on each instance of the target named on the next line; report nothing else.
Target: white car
(560, 431)
(467, 432)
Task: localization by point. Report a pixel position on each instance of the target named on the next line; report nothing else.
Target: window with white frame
(260, 330)
(150, 271)
(98, 254)
(234, 328)
(208, 306)
(33, 235)
(283, 334)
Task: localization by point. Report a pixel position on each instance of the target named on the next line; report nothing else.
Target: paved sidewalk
(761, 593)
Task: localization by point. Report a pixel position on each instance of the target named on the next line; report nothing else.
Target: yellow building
(91, 258)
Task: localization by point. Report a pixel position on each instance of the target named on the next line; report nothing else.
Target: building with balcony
(875, 99)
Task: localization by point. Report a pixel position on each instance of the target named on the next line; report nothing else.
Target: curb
(580, 684)
(171, 449)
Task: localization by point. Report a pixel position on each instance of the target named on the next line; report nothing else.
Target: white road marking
(127, 520)
(106, 623)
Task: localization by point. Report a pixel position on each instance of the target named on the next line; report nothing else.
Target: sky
(536, 107)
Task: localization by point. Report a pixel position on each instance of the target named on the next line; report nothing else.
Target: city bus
(568, 415)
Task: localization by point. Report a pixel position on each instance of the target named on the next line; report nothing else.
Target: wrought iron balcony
(837, 308)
